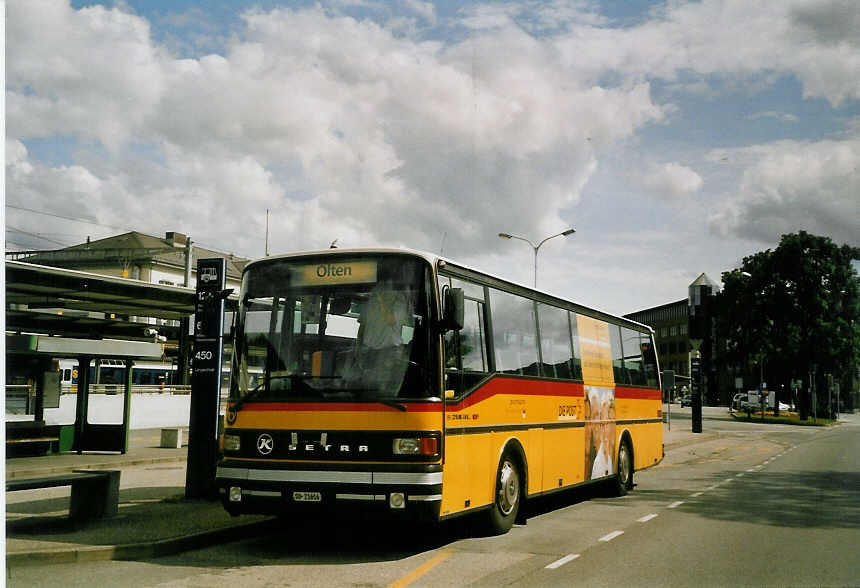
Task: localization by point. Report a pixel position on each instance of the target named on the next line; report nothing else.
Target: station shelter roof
(68, 303)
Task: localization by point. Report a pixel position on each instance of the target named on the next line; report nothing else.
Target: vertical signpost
(696, 390)
(669, 387)
(206, 378)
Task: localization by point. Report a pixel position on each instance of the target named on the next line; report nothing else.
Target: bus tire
(508, 495)
(624, 476)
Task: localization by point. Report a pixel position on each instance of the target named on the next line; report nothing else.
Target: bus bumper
(414, 495)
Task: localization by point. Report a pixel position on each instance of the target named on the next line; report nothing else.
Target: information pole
(206, 378)
(668, 388)
(696, 390)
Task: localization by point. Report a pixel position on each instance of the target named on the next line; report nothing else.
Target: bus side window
(631, 344)
(466, 350)
(622, 377)
(556, 349)
(514, 333)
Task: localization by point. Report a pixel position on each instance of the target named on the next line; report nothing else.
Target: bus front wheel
(508, 496)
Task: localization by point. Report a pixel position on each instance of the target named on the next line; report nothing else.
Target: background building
(137, 256)
(670, 324)
(683, 327)
(168, 261)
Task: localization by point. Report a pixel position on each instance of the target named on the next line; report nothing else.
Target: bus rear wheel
(508, 496)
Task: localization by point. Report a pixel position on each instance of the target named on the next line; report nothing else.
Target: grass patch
(784, 418)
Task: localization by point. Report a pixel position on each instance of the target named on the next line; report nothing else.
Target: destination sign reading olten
(335, 272)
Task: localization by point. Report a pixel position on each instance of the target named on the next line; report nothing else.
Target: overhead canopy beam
(93, 348)
(42, 285)
(34, 290)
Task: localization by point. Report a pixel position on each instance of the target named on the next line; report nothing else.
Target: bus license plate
(307, 496)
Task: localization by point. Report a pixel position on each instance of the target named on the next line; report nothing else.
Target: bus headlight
(232, 442)
(397, 500)
(415, 446)
(235, 494)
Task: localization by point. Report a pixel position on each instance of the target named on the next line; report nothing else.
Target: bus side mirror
(454, 309)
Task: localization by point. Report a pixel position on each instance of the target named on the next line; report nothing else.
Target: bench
(95, 493)
(33, 440)
(30, 438)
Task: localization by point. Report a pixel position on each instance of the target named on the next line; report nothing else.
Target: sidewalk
(154, 516)
(681, 435)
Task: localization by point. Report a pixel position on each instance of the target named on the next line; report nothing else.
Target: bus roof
(434, 260)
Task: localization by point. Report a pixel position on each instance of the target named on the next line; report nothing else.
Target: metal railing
(135, 389)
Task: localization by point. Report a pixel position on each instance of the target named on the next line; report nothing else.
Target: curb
(135, 551)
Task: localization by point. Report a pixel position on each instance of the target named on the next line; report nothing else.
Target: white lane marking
(560, 562)
(611, 536)
(751, 470)
(709, 488)
(676, 504)
(647, 518)
(696, 495)
(739, 475)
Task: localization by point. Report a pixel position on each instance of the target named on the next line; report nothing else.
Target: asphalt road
(754, 505)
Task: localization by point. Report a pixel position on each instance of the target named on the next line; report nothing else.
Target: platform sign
(696, 391)
(206, 359)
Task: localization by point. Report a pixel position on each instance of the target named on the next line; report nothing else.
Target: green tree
(789, 311)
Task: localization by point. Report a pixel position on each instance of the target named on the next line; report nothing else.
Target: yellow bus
(400, 381)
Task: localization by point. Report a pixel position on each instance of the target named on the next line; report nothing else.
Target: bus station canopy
(68, 347)
(70, 303)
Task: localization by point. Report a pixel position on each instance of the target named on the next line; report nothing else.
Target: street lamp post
(564, 233)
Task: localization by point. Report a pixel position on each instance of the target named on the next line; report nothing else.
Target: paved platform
(154, 516)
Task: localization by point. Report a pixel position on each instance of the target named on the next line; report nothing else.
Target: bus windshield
(334, 328)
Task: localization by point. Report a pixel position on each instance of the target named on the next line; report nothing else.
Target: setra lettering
(327, 448)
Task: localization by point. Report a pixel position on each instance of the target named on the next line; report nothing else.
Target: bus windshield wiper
(261, 387)
(362, 394)
(252, 393)
(391, 403)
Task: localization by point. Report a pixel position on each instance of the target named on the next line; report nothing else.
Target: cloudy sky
(675, 137)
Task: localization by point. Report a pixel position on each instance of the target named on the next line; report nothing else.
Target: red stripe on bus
(495, 386)
(638, 393)
(337, 407)
(519, 387)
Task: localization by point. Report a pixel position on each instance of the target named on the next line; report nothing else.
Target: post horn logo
(265, 444)
(231, 415)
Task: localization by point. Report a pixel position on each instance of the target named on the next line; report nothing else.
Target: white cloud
(782, 116)
(393, 140)
(734, 38)
(672, 181)
(346, 129)
(425, 10)
(796, 185)
(91, 71)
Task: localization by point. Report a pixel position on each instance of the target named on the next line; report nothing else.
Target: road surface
(749, 504)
